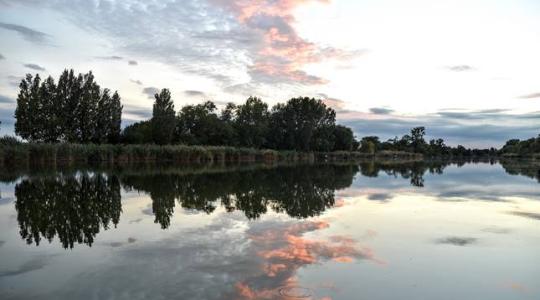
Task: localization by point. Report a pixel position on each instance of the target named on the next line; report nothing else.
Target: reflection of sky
(468, 182)
(383, 238)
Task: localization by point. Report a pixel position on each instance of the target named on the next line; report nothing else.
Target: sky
(467, 70)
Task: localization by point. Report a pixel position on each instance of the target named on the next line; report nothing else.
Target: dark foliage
(75, 110)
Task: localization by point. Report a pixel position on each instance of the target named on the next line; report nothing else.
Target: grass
(21, 154)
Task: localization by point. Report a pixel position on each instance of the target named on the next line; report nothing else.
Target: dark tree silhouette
(75, 110)
(163, 118)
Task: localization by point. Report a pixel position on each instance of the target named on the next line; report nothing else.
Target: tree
(163, 118)
(417, 139)
(69, 91)
(293, 125)
(86, 112)
(75, 110)
(251, 122)
(369, 144)
(343, 138)
(138, 133)
(115, 121)
(200, 125)
(49, 117)
(24, 119)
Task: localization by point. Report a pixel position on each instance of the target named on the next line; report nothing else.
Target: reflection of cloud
(457, 241)
(2, 57)
(284, 250)
(34, 264)
(383, 197)
(28, 34)
(497, 230)
(133, 63)
(138, 82)
(529, 215)
(515, 286)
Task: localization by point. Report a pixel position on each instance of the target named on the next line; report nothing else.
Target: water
(373, 231)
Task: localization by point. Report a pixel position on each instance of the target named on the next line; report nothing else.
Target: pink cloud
(282, 53)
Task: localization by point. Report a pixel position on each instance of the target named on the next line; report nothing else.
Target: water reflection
(75, 206)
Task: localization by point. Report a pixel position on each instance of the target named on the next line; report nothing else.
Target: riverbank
(83, 154)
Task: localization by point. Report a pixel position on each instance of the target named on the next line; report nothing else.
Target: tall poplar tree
(163, 118)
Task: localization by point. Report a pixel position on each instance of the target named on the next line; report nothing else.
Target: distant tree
(417, 141)
(369, 144)
(163, 118)
(138, 133)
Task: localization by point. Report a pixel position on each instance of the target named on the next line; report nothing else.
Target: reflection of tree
(70, 207)
(529, 168)
(414, 170)
(300, 191)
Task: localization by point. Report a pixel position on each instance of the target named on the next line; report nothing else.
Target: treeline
(302, 124)
(75, 110)
(516, 147)
(415, 142)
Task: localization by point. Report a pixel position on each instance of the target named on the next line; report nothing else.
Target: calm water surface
(368, 231)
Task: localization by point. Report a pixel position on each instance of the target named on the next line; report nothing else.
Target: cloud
(530, 96)
(35, 67)
(6, 99)
(111, 57)
(381, 110)
(28, 34)
(150, 91)
(133, 63)
(460, 68)
(138, 82)
(2, 57)
(137, 111)
(336, 104)
(193, 93)
(470, 128)
(282, 53)
(457, 241)
(248, 39)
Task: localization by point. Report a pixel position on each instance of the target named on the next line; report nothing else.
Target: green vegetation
(76, 110)
(415, 143)
(526, 148)
(86, 120)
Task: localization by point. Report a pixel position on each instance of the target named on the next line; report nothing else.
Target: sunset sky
(468, 70)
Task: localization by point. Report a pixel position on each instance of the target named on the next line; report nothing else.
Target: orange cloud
(282, 53)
